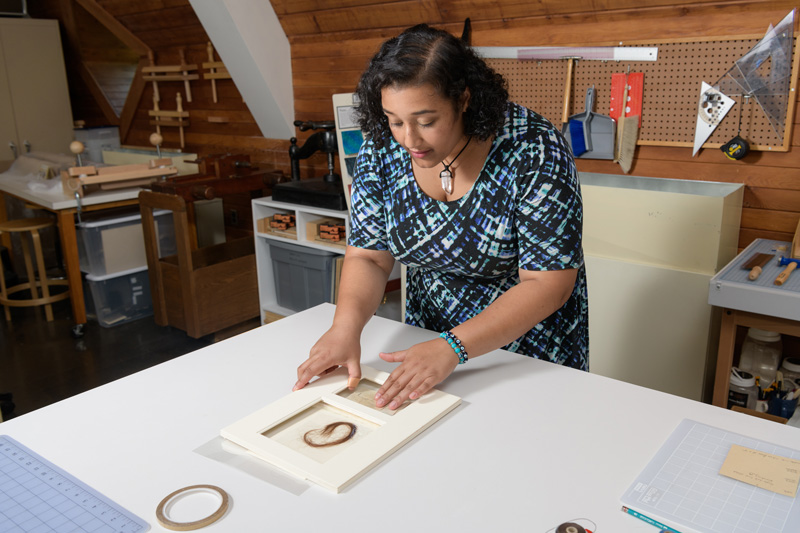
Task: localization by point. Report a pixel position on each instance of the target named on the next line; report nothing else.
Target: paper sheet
(764, 470)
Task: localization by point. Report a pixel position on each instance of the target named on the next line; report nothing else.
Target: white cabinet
(651, 247)
(35, 112)
(303, 234)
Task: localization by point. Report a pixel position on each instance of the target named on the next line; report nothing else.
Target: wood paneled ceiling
(304, 18)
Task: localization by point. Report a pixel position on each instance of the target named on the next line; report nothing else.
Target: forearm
(516, 312)
(361, 288)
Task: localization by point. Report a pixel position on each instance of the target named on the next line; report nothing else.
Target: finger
(308, 371)
(393, 357)
(421, 389)
(354, 374)
(393, 389)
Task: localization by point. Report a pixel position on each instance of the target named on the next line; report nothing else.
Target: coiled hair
(425, 55)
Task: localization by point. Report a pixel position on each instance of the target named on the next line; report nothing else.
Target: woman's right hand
(339, 346)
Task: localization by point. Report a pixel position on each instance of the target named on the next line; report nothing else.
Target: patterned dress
(524, 211)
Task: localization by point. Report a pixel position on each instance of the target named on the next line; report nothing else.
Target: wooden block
(82, 171)
(759, 414)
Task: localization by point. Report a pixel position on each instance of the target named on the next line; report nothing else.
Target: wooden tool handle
(567, 91)
(783, 276)
(754, 273)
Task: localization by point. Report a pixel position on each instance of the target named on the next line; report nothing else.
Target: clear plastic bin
(303, 276)
(116, 244)
(119, 298)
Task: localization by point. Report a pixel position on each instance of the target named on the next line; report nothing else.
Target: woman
(479, 197)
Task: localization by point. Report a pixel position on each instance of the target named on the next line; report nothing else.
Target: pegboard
(671, 91)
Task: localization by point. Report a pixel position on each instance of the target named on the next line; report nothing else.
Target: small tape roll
(570, 527)
(197, 524)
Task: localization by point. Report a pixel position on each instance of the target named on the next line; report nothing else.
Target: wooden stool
(31, 225)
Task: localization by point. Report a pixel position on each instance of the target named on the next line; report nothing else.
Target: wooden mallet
(790, 264)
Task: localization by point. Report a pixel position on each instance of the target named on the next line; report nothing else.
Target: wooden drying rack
(164, 73)
(671, 90)
(216, 71)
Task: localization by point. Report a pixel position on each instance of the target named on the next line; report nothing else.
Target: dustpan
(576, 128)
(599, 129)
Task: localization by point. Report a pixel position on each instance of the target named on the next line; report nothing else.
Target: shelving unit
(305, 218)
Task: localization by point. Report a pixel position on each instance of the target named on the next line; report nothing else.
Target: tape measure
(736, 148)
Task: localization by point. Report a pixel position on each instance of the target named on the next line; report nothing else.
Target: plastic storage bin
(303, 276)
(95, 140)
(113, 245)
(119, 298)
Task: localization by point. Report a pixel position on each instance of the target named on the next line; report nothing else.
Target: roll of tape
(570, 527)
(168, 523)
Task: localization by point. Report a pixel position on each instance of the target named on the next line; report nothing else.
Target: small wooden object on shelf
(180, 72)
(85, 179)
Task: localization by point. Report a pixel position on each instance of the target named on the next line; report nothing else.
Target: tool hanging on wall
(163, 73)
(177, 118)
(627, 129)
(567, 94)
(764, 72)
(737, 147)
(595, 130)
(712, 109)
(216, 71)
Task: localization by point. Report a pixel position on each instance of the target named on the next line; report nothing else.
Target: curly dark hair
(420, 55)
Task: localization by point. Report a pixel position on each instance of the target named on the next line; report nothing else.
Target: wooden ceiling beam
(114, 26)
(99, 95)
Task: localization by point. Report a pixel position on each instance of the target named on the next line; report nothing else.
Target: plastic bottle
(791, 369)
(743, 391)
(761, 354)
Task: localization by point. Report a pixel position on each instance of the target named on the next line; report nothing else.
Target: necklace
(445, 175)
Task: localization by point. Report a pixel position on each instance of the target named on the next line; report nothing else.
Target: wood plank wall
(331, 41)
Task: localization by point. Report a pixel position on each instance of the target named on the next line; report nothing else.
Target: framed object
(330, 435)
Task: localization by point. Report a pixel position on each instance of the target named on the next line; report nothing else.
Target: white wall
(250, 41)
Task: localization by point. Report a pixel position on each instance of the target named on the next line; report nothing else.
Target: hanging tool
(627, 132)
(598, 128)
(579, 135)
(737, 147)
(567, 95)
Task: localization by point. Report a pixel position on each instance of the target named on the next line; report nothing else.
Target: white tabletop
(533, 444)
(49, 194)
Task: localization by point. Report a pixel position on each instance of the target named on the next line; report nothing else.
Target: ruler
(36, 495)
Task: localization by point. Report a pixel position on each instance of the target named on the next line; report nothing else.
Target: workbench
(533, 444)
(65, 207)
(760, 304)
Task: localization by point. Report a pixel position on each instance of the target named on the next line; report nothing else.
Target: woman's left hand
(422, 367)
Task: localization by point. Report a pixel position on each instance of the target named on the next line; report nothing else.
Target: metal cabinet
(35, 111)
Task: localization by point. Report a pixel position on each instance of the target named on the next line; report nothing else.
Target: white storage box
(119, 298)
(113, 245)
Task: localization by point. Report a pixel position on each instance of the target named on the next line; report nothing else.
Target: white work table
(65, 206)
(532, 445)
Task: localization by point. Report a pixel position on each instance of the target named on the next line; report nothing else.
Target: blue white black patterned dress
(524, 211)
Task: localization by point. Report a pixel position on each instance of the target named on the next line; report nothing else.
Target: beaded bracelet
(455, 344)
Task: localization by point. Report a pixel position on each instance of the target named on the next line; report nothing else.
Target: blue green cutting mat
(36, 496)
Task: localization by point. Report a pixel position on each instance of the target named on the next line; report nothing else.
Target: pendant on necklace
(447, 181)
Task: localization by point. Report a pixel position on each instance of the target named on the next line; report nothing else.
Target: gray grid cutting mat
(36, 496)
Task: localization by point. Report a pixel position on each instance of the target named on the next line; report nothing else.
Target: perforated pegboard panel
(671, 91)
